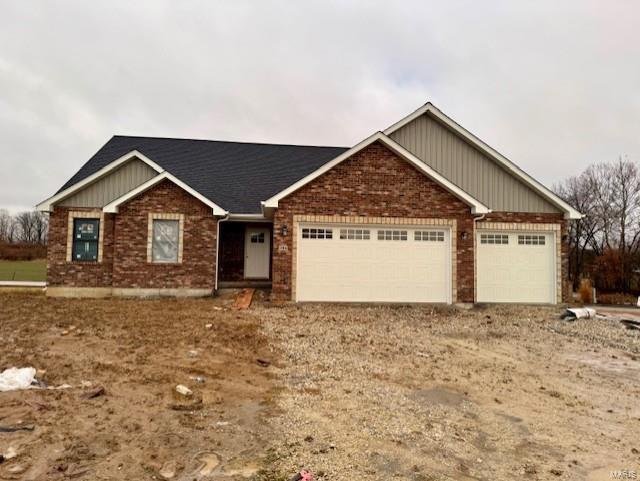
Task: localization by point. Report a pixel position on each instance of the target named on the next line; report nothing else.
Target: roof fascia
(570, 212)
(47, 205)
(476, 206)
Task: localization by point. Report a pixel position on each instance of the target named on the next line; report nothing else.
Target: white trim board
(477, 207)
(47, 205)
(112, 207)
(570, 212)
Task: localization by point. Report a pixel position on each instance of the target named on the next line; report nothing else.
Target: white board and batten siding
(373, 263)
(516, 267)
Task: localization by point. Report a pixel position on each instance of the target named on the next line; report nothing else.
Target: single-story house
(423, 211)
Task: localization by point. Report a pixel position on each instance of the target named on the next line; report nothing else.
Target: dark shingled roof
(234, 175)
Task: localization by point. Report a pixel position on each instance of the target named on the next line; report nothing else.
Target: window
(86, 238)
(257, 238)
(314, 233)
(166, 240)
(531, 240)
(494, 239)
(429, 235)
(396, 235)
(357, 234)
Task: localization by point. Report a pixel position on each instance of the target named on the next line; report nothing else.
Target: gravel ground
(425, 393)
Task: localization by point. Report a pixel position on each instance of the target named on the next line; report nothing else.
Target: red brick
(124, 263)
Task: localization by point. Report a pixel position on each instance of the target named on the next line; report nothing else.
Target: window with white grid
(317, 233)
(393, 235)
(355, 234)
(494, 239)
(429, 235)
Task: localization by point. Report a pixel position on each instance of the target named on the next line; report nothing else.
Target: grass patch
(35, 270)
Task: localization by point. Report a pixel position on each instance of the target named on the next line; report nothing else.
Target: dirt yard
(138, 351)
(356, 392)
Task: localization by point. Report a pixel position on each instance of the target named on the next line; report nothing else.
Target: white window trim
(570, 212)
(160, 216)
(85, 214)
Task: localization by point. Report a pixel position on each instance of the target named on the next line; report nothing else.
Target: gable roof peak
(504, 162)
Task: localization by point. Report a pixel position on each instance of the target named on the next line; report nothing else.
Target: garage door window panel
(429, 236)
(497, 239)
(531, 240)
(355, 234)
(392, 235)
(317, 233)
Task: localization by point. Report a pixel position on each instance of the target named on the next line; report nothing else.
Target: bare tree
(577, 191)
(26, 222)
(6, 222)
(41, 226)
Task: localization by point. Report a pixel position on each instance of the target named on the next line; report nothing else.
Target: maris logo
(624, 474)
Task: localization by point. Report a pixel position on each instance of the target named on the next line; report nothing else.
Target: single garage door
(516, 267)
(366, 263)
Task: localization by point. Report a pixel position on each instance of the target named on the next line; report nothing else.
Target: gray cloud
(552, 85)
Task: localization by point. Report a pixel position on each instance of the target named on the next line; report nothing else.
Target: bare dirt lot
(138, 351)
(351, 392)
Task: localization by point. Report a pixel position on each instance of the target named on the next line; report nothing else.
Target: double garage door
(368, 263)
(515, 267)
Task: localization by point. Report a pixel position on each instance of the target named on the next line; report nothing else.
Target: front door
(257, 249)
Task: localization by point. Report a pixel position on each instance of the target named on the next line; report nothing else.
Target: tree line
(604, 246)
(29, 227)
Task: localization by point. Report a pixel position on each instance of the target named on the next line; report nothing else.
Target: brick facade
(125, 236)
(374, 182)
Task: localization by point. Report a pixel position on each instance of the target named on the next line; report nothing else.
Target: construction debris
(184, 390)
(303, 475)
(629, 324)
(93, 393)
(263, 362)
(13, 429)
(14, 379)
(244, 298)
(574, 313)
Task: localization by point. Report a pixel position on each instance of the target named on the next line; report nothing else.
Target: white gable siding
(468, 168)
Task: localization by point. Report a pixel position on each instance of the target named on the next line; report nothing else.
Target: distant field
(23, 270)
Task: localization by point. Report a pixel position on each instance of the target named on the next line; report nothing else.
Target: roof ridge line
(229, 141)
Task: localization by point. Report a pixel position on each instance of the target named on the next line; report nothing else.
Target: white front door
(257, 250)
(373, 263)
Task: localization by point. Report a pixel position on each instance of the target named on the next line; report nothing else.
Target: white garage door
(373, 263)
(516, 267)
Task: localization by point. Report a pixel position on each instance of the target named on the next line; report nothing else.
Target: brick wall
(131, 269)
(373, 183)
(124, 263)
(60, 272)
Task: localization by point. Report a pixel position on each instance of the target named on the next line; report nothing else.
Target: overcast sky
(552, 85)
